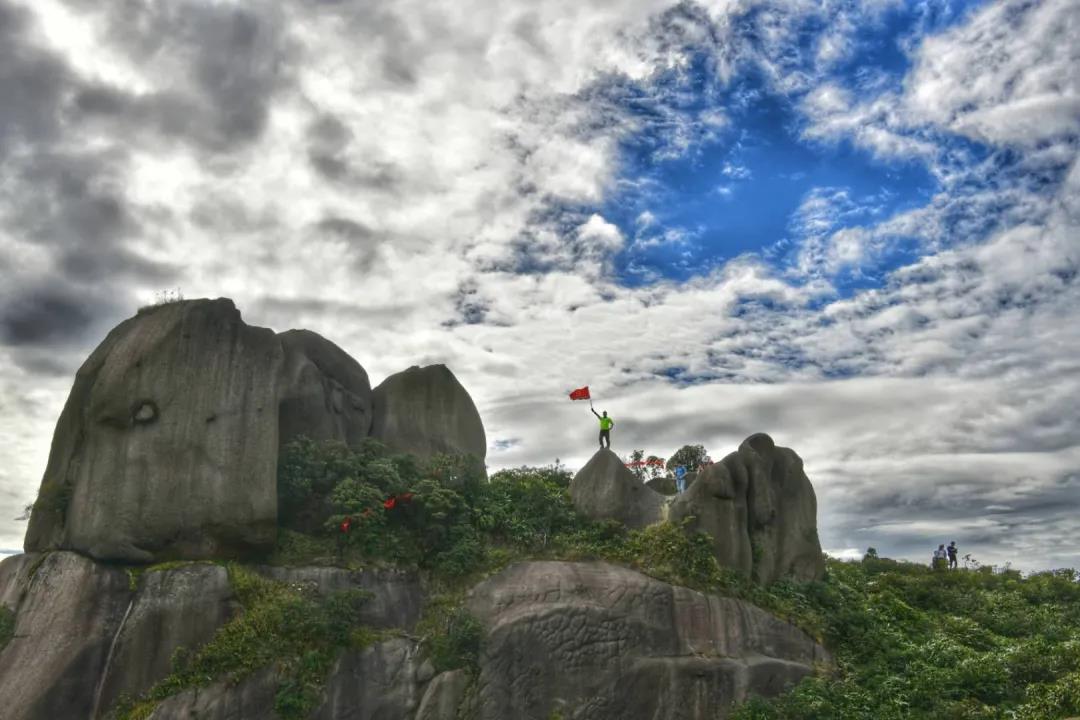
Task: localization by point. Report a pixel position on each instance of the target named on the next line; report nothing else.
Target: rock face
(606, 490)
(167, 446)
(596, 641)
(251, 698)
(396, 599)
(68, 612)
(178, 608)
(425, 411)
(325, 393)
(376, 683)
(760, 509)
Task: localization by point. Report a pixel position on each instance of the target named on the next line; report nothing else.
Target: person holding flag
(606, 423)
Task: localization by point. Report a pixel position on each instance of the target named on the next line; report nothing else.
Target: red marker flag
(581, 394)
(390, 502)
(346, 524)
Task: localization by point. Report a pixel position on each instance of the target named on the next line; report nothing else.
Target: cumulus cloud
(424, 183)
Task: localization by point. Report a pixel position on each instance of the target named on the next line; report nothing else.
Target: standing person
(940, 557)
(680, 478)
(953, 551)
(606, 424)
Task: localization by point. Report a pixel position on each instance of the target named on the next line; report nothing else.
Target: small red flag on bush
(346, 524)
(581, 394)
(390, 502)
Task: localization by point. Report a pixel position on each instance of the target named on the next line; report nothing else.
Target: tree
(690, 457)
(645, 468)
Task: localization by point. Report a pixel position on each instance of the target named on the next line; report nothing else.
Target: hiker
(952, 550)
(606, 424)
(941, 558)
(680, 478)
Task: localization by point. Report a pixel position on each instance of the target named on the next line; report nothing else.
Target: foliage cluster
(690, 457)
(290, 627)
(443, 515)
(910, 642)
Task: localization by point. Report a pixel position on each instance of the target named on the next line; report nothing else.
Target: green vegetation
(910, 642)
(7, 626)
(288, 627)
(688, 456)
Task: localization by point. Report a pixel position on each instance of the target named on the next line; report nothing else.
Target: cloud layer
(436, 184)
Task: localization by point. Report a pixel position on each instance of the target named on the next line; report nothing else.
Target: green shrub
(913, 643)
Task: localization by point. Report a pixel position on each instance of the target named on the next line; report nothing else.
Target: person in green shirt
(606, 424)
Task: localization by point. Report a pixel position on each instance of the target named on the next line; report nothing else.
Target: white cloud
(412, 155)
(1009, 76)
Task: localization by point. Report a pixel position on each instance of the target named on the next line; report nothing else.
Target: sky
(853, 226)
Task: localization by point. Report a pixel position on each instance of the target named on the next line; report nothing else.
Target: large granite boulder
(68, 611)
(605, 489)
(167, 446)
(325, 395)
(425, 411)
(594, 641)
(760, 509)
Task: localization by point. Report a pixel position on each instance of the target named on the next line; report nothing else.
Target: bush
(910, 642)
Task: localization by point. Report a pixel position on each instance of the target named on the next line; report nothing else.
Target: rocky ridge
(167, 449)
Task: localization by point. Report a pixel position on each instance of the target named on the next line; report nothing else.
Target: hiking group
(945, 557)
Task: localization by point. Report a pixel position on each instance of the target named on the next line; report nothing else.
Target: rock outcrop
(172, 609)
(760, 509)
(395, 597)
(590, 640)
(325, 394)
(606, 490)
(67, 615)
(424, 411)
(600, 642)
(167, 446)
(377, 683)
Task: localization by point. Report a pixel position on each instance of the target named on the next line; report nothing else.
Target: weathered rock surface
(376, 683)
(396, 597)
(167, 446)
(15, 578)
(426, 411)
(606, 490)
(250, 699)
(178, 608)
(69, 612)
(443, 696)
(325, 395)
(761, 511)
(596, 641)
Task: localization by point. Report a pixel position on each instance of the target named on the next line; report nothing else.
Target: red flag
(581, 394)
(346, 524)
(390, 502)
